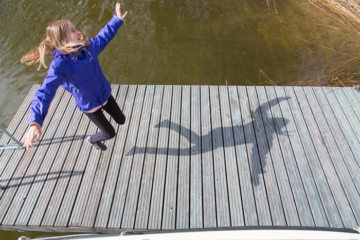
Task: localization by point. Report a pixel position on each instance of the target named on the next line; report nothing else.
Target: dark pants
(99, 119)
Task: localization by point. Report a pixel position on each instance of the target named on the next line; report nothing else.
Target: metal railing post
(10, 146)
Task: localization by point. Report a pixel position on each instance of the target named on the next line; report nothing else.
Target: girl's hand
(118, 12)
(33, 134)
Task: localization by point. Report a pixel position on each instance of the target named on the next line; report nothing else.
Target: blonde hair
(56, 38)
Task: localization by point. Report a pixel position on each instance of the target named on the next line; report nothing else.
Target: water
(203, 42)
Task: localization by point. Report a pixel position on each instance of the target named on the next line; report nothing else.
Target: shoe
(97, 145)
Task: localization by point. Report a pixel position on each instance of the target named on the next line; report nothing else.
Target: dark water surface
(202, 42)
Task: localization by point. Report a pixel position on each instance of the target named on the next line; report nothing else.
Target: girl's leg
(114, 110)
(107, 131)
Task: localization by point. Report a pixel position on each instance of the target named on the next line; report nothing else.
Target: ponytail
(56, 34)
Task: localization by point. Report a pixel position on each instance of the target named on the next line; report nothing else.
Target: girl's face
(73, 35)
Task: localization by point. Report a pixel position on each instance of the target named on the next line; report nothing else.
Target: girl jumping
(76, 68)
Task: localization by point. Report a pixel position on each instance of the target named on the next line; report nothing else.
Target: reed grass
(347, 14)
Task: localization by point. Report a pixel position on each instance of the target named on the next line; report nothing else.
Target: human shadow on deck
(252, 133)
(44, 178)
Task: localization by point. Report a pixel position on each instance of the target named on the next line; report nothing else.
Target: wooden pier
(190, 157)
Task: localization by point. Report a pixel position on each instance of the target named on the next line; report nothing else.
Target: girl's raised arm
(108, 32)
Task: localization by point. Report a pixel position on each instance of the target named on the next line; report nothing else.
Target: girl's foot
(97, 145)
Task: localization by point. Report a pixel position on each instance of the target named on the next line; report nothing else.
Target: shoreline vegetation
(345, 13)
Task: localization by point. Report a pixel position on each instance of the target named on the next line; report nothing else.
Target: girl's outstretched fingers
(118, 12)
(33, 134)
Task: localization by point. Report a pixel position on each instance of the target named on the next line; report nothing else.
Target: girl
(76, 68)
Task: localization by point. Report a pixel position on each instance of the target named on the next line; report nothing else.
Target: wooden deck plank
(283, 182)
(354, 100)
(336, 158)
(352, 94)
(13, 197)
(44, 172)
(262, 205)
(319, 178)
(76, 194)
(196, 208)
(127, 161)
(89, 214)
(183, 199)
(157, 197)
(12, 156)
(15, 124)
(189, 157)
(170, 194)
(349, 122)
(60, 163)
(235, 203)
(126, 97)
(342, 130)
(221, 188)
(324, 163)
(65, 182)
(276, 208)
(247, 192)
(36, 174)
(303, 215)
(209, 203)
(143, 208)
(136, 172)
(318, 212)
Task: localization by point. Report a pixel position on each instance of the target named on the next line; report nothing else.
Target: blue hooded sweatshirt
(80, 74)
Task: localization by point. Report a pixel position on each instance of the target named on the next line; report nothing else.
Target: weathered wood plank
(49, 160)
(67, 183)
(157, 198)
(345, 113)
(143, 208)
(267, 104)
(13, 197)
(207, 160)
(136, 172)
(125, 99)
(235, 203)
(196, 208)
(262, 204)
(191, 156)
(127, 161)
(329, 188)
(38, 171)
(281, 119)
(247, 192)
(60, 163)
(7, 170)
(170, 194)
(221, 188)
(304, 213)
(340, 128)
(15, 126)
(336, 158)
(183, 199)
(76, 193)
(102, 170)
(354, 100)
(310, 189)
(276, 208)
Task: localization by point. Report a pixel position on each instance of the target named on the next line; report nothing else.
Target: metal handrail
(10, 146)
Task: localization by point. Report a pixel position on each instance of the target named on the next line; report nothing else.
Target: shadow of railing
(52, 176)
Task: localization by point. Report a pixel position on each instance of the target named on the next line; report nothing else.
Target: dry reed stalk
(344, 12)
